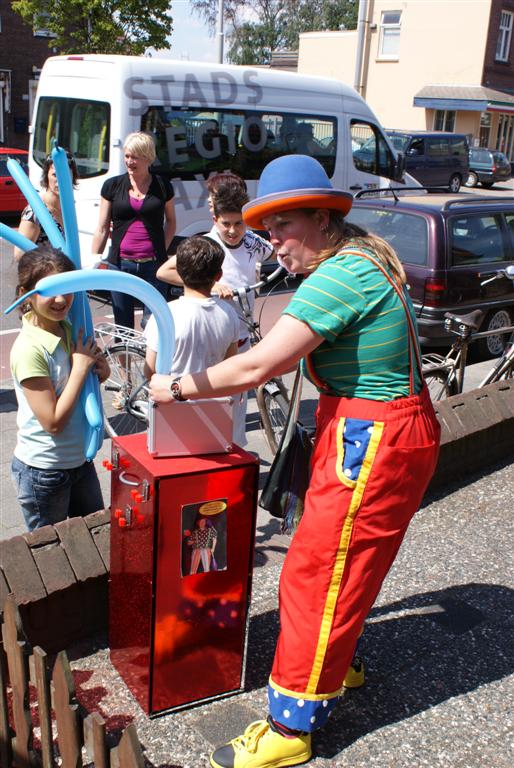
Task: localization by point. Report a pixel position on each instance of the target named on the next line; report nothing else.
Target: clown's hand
(160, 388)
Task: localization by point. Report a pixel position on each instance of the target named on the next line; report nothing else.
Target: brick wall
(19, 52)
(499, 75)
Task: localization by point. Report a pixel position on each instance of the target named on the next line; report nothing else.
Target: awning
(467, 98)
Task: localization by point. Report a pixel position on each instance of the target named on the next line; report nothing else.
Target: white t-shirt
(204, 330)
(240, 265)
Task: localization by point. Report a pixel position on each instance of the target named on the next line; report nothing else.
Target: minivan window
(407, 233)
(509, 217)
(417, 147)
(437, 147)
(370, 151)
(476, 239)
(78, 125)
(458, 146)
(194, 141)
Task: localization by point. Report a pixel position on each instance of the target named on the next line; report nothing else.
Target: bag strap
(413, 345)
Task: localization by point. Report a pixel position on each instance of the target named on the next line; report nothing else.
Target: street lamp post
(219, 31)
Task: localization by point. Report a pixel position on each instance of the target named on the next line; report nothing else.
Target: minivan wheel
(472, 179)
(454, 183)
(493, 346)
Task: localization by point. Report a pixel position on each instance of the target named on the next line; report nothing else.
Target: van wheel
(454, 183)
(493, 346)
(472, 179)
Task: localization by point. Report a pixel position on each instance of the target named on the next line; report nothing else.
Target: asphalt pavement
(438, 643)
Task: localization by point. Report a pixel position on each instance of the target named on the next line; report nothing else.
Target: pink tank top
(136, 244)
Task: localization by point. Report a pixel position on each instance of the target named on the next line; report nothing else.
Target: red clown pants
(371, 465)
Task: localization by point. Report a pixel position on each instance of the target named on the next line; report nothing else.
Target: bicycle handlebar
(265, 279)
(508, 272)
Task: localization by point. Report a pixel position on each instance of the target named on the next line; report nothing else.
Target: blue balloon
(14, 237)
(69, 214)
(109, 280)
(80, 314)
(43, 215)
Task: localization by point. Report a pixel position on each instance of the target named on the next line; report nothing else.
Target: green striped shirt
(365, 351)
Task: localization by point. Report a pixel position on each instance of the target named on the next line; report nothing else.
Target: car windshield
(500, 158)
(407, 233)
(399, 142)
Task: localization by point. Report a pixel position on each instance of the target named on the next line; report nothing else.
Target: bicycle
(125, 349)
(444, 374)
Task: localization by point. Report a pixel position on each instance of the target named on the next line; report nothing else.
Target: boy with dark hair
(244, 252)
(206, 328)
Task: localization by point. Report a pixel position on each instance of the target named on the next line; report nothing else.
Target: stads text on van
(204, 118)
(436, 159)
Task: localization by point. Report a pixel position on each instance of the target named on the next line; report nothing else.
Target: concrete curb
(59, 574)
(477, 430)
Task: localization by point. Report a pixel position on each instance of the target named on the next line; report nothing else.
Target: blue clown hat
(294, 181)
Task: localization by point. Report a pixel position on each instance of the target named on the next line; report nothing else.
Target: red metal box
(182, 540)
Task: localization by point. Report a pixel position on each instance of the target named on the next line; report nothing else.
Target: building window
(444, 120)
(41, 25)
(504, 36)
(389, 43)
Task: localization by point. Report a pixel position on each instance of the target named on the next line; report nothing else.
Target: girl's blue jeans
(48, 496)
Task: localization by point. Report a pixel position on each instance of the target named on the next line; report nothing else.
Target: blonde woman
(139, 206)
(351, 322)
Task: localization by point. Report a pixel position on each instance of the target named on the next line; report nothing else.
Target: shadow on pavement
(418, 652)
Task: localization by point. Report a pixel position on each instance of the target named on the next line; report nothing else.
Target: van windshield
(407, 233)
(79, 126)
(198, 141)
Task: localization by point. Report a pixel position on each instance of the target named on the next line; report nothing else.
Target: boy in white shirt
(244, 252)
(206, 327)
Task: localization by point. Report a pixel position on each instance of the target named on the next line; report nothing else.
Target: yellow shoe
(354, 678)
(262, 747)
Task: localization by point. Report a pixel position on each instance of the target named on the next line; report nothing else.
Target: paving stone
(20, 570)
(101, 517)
(54, 567)
(82, 554)
(102, 540)
(41, 536)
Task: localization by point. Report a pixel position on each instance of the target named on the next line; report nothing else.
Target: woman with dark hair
(352, 325)
(29, 224)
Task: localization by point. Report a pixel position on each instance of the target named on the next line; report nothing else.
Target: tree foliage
(255, 28)
(100, 26)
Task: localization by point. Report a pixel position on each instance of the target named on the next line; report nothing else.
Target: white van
(205, 118)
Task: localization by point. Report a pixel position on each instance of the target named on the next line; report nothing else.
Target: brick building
(22, 53)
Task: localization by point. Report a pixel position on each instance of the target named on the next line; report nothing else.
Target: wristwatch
(176, 391)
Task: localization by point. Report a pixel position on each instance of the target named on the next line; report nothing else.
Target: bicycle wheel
(273, 405)
(438, 385)
(128, 381)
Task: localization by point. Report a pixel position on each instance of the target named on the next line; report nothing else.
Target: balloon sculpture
(79, 282)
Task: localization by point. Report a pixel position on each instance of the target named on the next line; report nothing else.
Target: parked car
(487, 166)
(448, 244)
(11, 199)
(435, 159)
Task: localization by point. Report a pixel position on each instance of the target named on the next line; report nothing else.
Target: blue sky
(190, 38)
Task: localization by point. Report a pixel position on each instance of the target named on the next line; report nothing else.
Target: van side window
(476, 240)
(437, 147)
(79, 125)
(194, 141)
(458, 147)
(370, 151)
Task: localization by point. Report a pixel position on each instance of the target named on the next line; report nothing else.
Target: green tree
(258, 27)
(100, 26)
